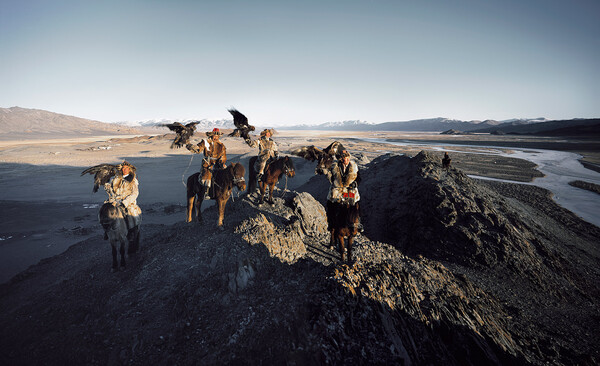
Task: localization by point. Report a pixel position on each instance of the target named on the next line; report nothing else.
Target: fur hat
(264, 132)
(214, 132)
(131, 167)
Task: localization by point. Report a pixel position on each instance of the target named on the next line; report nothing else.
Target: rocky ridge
(447, 272)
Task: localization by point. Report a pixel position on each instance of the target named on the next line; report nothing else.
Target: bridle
(287, 169)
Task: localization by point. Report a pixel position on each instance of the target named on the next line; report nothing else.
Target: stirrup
(259, 177)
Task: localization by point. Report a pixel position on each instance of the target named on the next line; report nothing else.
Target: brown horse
(272, 173)
(343, 220)
(223, 181)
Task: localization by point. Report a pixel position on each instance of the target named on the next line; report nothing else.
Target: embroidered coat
(125, 190)
(342, 188)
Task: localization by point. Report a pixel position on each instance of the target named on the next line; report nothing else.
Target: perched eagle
(242, 128)
(183, 132)
(313, 153)
(310, 153)
(103, 173)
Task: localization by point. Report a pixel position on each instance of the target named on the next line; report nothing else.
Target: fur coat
(343, 187)
(125, 190)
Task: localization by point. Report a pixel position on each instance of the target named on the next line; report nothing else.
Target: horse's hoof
(113, 270)
(221, 228)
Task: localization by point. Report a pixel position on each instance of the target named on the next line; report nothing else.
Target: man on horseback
(343, 189)
(215, 155)
(267, 149)
(122, 193)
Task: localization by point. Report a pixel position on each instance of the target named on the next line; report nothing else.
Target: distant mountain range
(19, 122)
(421, 125)
(536, 126)
(572, 127)
(204, 123)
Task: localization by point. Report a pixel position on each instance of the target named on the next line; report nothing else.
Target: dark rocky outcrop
(448, 273)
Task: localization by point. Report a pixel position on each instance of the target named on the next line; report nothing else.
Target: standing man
(123, 192)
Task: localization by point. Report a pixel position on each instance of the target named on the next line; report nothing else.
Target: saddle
(269, 161)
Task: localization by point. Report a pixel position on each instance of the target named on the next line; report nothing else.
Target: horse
(272, 173)
(343, 220)
(223, 181)
(112, 219)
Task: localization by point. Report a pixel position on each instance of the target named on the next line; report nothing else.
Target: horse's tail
(251, 175)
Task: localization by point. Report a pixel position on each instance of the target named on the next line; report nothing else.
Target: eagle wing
(183, 133)
(239, 120)
(241, 124)
(102, 174)
(308, 152)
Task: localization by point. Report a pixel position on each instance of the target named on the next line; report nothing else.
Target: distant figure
(446, 161)
(267, 149)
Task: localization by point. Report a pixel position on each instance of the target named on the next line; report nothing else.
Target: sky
(302, 62)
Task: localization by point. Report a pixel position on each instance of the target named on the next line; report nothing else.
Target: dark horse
(272, 173)
(342, 221)
(223, 181)
(112, 219)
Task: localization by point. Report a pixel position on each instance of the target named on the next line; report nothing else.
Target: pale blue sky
(287, 62)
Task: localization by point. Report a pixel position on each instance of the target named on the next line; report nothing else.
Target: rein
(186, 169)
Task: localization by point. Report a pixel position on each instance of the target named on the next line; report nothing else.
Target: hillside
(573, 127)
(19, 123)
(449, 271)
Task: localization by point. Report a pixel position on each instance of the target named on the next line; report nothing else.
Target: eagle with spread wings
(313, 153)
(242, 128)
(184, 133)
(104, 172)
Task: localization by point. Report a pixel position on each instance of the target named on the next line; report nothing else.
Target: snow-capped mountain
(204, 123)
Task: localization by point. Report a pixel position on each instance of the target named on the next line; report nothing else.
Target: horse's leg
(271, 188)
(199, 199)
(221, 202)
(340, 239)
(190, 206)
(122, 251)
(134, 243)
(115, 264)
(262, 186)
(350, 238)
(332, 239)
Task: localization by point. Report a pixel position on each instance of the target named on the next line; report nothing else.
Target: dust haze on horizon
(310, 62)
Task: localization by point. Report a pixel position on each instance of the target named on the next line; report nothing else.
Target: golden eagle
(104, 172)
(183, 132)
(242, 128)
(313, 153)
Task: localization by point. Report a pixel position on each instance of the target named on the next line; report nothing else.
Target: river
(559, 168)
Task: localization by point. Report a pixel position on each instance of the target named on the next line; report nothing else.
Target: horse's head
(324, 164)
(238, 172)
(288, 167)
